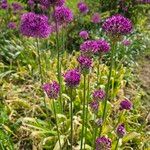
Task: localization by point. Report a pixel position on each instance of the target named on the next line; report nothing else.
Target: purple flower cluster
(85, 62)
(98, 95)
(117, 25)
(17, 7)
(51, 89)
(103, 46)
(96, 18)
(89, 47)
(83, 7)
(84, 35)
(121, 130)
(72, 78)
(63, 15)
(125, 104)
(4, 4)
(94, 106)
(57, 2)
(12, 25)
(126, 42)
(35, 25)
(103, 143)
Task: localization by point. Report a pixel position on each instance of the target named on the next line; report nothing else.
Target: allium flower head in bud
(117, 25)
(120, 130)
(94, 106)
(96, 18)
(126, 42)
(83, 7)
(17, 7)
(103, 46)
(72, 78)
(63, 15)
(4, 4)
(103, 143)
(84, 35)
(12, 25)
(35, 25)
(125, 104)
(52, 90)
(99, 95)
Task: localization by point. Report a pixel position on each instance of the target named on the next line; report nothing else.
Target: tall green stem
(83, 112)
(87, 104)
(108, 84)
(117, 144)
(71, 114)
(57, 124)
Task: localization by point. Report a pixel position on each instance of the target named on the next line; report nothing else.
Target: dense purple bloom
(125, 104)
(85, 62)
(84, 35)
(89, 47)
(51, 89)
(103, 46)
(34, 25)
(94, 106)
(126, 42)
(83, 8)
(12, 25)
(117, 25)
(72, 78)
(57, 2)
(96, 18)
(63, 15)
(99, 95)
(103, 143)
(121, 130)
(17, 7)
(4, 4)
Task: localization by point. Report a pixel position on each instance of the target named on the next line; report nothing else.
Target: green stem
(117, 144)
(87, 104)
(95, 131)
(83, 116)
(108, 85)
(57, 124)
(71, 113)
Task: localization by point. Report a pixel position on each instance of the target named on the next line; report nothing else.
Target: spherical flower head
(99, 95)
(72, 78)
(35, 25)
(83, 7)
(117, 25)
(4, 4)
(103, 45)
(125, 105)
(63, 15)
(126, 42)
(89, 47)
(94, 106)
(85, 63)
(57, 2)
(17, 7)
(52, 89)
(103, 143)
(12, 25)
(121, 130)
(96, 18)
(84, 35)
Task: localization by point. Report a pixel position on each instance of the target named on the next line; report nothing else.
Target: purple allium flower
(94, 106)
(89, 47)
(57, 2)
(4, 4)
(117, 25)
(96, 18)
(17, 7)
(85, 62)
(84, 35)
(12, 25)
(51, 89)
(99, 95)
(121, 130)
(126, 42)
(72, 78)
(63, 15)
(34, 25)
(83, 7)
(125, 104)
(103, 143)
(103, 46)
(31, 3)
